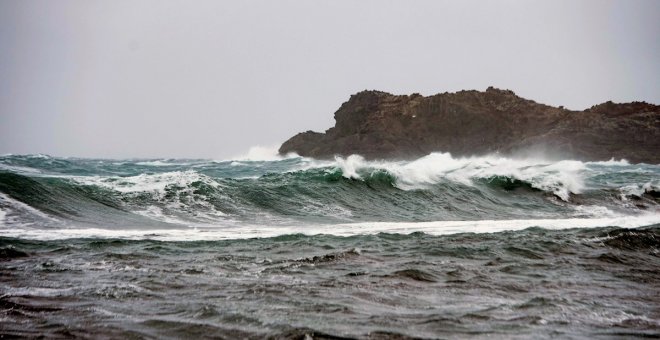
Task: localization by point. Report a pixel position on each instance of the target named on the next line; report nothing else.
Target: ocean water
(297, 248)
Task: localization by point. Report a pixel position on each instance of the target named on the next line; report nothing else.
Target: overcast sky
(212, 78)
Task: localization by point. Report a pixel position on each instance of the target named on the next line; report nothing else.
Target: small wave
(611, 162)
(332, 257)
(416, 274)
(39, 156)
(630, 239)
(162, 162)
(638, 191)
(147, 182)
(19, 169)
(10, 252)
(180, 197)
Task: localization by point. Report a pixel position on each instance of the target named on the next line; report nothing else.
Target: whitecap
(611, 162)
(561, 178)
(146, 182)
(158, 163)
(263, 153)
(594, 211)
(636, 190)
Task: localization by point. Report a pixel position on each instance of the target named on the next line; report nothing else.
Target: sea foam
(10, 206)
(561, 178)
(146, 182)
(344, 230)
(183, 200)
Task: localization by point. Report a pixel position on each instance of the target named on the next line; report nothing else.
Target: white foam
(595, 211)
(182, 200)
(37, 291)
(350, 165)
(156, 213)
(11, 205)
(561, 178)
(348, 229)
(263, 153)
(630, 190)
(146, 182)
(39, 156)
(19, 169)
(650, 186)
(159, 163)
(636, 190)
(612, 162)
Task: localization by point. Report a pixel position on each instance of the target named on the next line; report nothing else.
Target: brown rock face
(381, 125)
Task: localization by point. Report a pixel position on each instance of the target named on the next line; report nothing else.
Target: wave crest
(260, 153)
(561, 178)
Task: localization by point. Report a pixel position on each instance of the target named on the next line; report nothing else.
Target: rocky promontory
(379, 125)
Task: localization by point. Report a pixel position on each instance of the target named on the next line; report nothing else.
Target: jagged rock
(377, 124)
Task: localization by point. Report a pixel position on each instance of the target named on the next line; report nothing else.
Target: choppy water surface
(434, 248)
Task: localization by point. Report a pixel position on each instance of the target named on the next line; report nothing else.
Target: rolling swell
(436, 187)
(300, 248)
(313, 194)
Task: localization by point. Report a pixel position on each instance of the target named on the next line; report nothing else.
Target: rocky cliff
(377, 124)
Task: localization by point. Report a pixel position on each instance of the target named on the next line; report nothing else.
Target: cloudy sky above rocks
(212, 78)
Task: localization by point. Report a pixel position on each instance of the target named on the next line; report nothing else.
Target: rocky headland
(379, 125)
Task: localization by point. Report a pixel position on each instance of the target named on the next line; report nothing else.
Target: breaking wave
(43, 191)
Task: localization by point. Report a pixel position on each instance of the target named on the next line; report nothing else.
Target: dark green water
(297, 248)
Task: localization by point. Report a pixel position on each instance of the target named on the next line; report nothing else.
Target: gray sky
(211, 78)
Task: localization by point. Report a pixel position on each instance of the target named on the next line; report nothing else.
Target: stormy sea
(298, 248)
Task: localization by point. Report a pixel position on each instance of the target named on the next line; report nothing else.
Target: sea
(347, 248)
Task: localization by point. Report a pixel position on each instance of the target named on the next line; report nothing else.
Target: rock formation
(379, 125)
